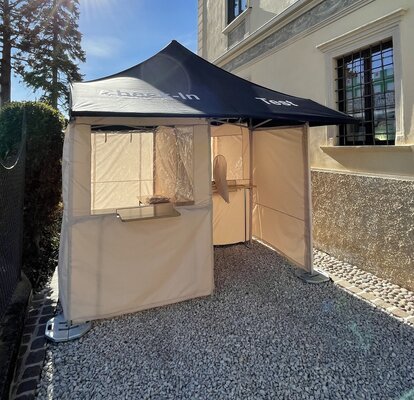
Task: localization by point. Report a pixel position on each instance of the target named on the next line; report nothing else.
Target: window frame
(381, 29)
(365, 58)
(230, 7)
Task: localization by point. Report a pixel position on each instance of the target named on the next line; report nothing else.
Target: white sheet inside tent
(108, 267)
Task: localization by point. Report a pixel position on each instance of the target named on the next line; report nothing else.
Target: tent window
(366, 91)
(141, 167)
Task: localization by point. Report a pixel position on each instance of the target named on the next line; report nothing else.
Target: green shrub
(42, 195)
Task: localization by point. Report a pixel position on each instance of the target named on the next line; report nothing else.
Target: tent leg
(251, 184)
(312, 277)
(58, 329)
(309, 276)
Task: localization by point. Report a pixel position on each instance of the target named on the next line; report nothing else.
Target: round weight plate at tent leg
(58, 330)
(315, 277)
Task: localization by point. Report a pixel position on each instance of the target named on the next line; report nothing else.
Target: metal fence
(12, 175)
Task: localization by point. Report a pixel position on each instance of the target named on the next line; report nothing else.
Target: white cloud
(102, 47)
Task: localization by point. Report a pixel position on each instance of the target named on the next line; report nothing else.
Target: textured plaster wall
(366, 221)
(214, 18)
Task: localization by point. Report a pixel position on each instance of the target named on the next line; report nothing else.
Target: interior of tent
(146, 200)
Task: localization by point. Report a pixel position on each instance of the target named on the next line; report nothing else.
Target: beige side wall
(300, 68)
(264, 10)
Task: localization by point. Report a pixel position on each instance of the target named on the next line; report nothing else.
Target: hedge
(42, 195)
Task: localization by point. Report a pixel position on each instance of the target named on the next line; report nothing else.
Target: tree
(16, 31)
(53, 63)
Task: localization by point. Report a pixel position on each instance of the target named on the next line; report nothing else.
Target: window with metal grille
(235, 8)
(365, 90)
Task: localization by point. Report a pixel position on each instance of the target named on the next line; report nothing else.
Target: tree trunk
(54, 95)
(5, 63)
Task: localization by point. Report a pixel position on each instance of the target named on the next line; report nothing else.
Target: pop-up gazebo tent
(139, 154)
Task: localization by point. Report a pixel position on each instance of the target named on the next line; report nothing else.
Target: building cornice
(385, 22)
(298, 20)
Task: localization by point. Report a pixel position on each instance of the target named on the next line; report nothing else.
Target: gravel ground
(263, 334)
(384, 289)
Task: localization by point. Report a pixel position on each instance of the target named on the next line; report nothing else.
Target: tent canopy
(177, 83)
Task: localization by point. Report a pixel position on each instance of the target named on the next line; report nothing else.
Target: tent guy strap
(177, 83)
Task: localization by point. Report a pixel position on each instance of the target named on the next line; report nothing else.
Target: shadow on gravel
(263, 334)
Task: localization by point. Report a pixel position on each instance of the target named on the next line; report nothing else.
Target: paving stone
(44, 319)
(334, 277)
(383, 304)
(34, 313)
(19, 363)
(29, 329)
(355, 289)
(41, 330)
(26, 339)
(368, 296)
(27, 386)
(35, 357)
(23, 350)
(36, 303)
(344, 283)
(38, 343)
(31, 321)
(48, 310)
(32, 372)
(399, 313)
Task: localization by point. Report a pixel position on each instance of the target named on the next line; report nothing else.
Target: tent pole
(308, 194)
(309, 276)
(251, 182)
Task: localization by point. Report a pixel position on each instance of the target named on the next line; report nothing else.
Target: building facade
(355, 56)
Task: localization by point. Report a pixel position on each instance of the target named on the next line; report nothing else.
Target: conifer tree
(56, 50)
(16, 31)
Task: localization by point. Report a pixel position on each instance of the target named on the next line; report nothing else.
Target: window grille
(235, 8)
(365, 90)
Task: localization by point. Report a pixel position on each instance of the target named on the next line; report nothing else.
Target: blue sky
(120, 33)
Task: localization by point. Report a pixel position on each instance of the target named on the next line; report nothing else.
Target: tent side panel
(63, 267)
(119, 267)
(125, 267)
(280, 200)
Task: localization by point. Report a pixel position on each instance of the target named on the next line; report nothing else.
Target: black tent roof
(177, 83)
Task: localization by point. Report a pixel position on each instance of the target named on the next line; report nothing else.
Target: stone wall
(366, 221)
